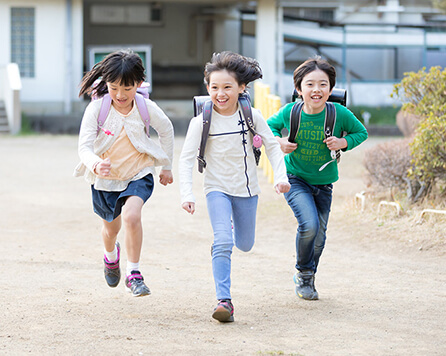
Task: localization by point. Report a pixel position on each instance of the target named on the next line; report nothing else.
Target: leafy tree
(440, 4)
(424, 94)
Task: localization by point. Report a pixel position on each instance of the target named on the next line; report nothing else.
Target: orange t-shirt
(126, 160)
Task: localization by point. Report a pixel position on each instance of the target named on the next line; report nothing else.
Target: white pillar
(284, 96)
(68, 57)
(391, 15)
(266, 41)
(227, 29)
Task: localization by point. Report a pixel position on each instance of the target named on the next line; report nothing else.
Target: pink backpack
(141, 94)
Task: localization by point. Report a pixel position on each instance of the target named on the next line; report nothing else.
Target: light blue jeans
(311, 206)
(233, 221)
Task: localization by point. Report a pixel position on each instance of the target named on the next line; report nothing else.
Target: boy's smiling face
(315, 90)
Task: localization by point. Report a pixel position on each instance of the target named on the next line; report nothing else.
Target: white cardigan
(93, 144)
(230, 163)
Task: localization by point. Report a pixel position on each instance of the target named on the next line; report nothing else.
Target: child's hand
(189, 207)
(285, 145)
(103, 168)
(334, 143)
(282, 188)
(166, 177)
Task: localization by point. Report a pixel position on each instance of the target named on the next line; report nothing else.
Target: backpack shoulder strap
(295, 121)
(104, 110)
(330, 119)
(207, 112)
(245, 106)
(143, 111)
(330, 122)
(140, 103)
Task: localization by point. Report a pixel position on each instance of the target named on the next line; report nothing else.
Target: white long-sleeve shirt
(230, 162)
(93, 144)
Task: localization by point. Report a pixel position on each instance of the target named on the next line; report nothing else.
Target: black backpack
(203, 104)
(339, 96)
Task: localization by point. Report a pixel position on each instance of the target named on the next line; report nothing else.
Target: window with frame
(23, 40)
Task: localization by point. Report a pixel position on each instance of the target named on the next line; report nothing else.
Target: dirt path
(377, 297)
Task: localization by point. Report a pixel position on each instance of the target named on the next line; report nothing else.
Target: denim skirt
(108, 205)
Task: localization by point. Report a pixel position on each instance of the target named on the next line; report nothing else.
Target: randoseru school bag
(141, 93)
(203, 104)
(337, 95)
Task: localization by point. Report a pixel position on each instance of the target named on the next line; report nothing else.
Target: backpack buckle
(201, 161)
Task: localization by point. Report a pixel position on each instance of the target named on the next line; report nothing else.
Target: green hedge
(380, 115)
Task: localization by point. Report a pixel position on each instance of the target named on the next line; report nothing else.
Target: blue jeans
(311, 206)
(233, 221)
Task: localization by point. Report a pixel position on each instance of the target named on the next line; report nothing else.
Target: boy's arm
(356, 132)
(272, 148)
(277, 123)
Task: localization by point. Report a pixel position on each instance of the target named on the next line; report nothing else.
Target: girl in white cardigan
(119, 160)
(230, 178)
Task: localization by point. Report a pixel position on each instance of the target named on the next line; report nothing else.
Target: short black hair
(310, 65)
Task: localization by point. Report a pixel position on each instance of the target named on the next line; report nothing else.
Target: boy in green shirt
(310, 167)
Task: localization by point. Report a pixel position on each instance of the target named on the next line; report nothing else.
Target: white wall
(46, 91)
(5, 33)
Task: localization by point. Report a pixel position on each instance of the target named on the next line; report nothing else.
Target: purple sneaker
(224, 311)
(134, 283)
(112, 271)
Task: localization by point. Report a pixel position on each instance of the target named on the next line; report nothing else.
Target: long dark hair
(245, 69)
(310, 65)
(122, 66)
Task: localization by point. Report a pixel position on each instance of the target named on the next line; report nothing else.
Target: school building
(47, 45)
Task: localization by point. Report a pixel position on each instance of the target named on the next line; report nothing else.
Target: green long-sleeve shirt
(311, 152)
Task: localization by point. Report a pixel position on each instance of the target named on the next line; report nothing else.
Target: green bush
(424, 94)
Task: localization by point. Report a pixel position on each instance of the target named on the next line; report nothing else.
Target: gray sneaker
(112, 272)
(134, 283)
(305, 289)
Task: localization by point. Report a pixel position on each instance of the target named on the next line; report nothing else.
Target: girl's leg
(219, 209)
(131, 217)
(244, 212)
(110, 232)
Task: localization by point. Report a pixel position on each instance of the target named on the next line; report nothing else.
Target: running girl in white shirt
(118, 160)
(230, 178)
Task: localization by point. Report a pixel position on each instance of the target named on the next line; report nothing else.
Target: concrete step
(4, 125)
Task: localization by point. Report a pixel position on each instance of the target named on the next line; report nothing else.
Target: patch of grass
(26, 128)
(406, 230)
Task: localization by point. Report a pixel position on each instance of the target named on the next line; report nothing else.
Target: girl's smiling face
(315, 90)
(224, 91)
(122, 96)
